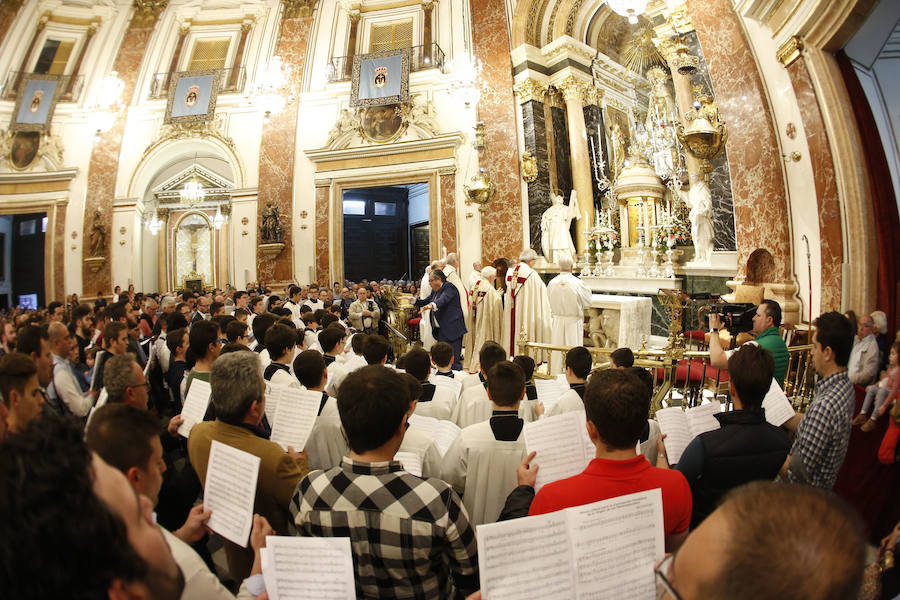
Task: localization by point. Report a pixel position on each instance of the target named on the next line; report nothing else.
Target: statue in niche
(271, 231)
(699, 200)
(98, 235)
(555, 238)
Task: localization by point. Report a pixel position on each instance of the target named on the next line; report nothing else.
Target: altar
(618, 321)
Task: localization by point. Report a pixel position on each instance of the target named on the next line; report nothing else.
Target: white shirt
(199, 581)
(357, 361)
(336, 374)
(66, 388)
(570, 401)
(416, 441)
(314, 305)
(863, 365)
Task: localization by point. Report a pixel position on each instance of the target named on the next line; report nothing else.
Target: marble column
(322, 233)
(354, 16)
(501, 225)
(448, 211)
(104, 165)
(8, 11)
(239, 57)
(575, 92)
(760, 207)
(531, 95)
(176, 56)
(162, 236)
(279, 137)
(428, 9)
(42, 22)
(88, 36)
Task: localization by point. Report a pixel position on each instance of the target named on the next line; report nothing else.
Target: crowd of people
(102, 496)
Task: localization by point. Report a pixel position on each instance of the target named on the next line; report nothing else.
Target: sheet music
(273, 398)
(295, 417)
(701, 419)
(606, 549)
(559, 443)
(443, 432)
(300, 568)
(412, 463)
(777, 406)
(230, 490)
(616, 543)
(539, 567)
(451, 383)
(549, 391)
(195, 405)
(673, 423)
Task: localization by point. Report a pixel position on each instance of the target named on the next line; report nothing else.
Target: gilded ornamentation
(481, 192)
(529, 167)
(574, 88)
(271, 230)
(530, 89)
(570, 21)
(705, 135)
(298, 9)
(680, 19)
(419, 113)
(679, 56)
(790, 51)
(146, 12)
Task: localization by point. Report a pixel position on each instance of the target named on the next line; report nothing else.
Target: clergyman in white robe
(569, 299)
(425, 333)
(526, 307)
(487, 315)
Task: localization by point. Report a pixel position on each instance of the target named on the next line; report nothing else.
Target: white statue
(699, 200)
(555, 222)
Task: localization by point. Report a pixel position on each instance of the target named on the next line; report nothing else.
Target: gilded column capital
(428, 5)
(354, 15)
(246, 24)
(146, 12)
(529, 89)
(298, 9)
(790, 50)
(576, 89)
(43, 20)
(162, 214)
(680, 19)
(555, 98)
(593, 95)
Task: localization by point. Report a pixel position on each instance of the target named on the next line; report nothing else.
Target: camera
(737, 317)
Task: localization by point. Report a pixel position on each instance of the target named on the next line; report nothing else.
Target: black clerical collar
(506, 425)
(579, 389)
(328, 359)
(323, 401)
(483, 379)
(428, 390)
(445, 374)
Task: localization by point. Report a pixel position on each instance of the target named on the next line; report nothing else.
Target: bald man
(64, 386)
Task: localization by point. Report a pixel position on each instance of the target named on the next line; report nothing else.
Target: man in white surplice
(569, 299)
(425, 333)
(487, 315)
(526, 306)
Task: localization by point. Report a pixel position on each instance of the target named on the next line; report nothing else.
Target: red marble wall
(59, 253)
(323, 232)
(830, 237)
(276, 153)
(101, 180)
(501, 225)
(8, 11)
(448, 213)
(760, 208)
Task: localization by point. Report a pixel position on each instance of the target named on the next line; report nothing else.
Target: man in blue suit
(446, 318)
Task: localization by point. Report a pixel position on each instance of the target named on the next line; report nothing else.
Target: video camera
(737, 317)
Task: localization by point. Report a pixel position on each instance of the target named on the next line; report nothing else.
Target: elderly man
(364, 313)
(447, 316)
(569, 299)
(486, 315)
(526, 306)
(125, 382)
(65, 386)
(451, 270)
(238, 395)
(475, 275)
(864, 358)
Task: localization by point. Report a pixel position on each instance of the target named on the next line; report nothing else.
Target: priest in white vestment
(526, 306)
(425, 333)
(486, 315)
(474, 276)
(569, 299)
(452, 273)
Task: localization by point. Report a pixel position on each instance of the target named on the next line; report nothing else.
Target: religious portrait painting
(23, 150)
(380, 78)
(192, 96)
(618, 137)
(382, 123)
(35, 102)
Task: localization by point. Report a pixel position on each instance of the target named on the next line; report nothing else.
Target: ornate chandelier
(631, 9)
(193, 192)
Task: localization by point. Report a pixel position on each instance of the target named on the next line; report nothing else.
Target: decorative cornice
(530, 89)
(574, 88)
(680, 20)
(146, 12)
(790, 51)
(298, 9)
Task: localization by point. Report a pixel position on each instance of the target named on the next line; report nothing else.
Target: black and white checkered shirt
(824, 433)
(410, 536)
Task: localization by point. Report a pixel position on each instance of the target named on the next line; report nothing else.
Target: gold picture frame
(379, 77)
(192, 96)
(382, 124)
(36, 101)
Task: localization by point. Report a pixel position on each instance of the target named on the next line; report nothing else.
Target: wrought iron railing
(423, 57)
(672, 373)
(71, 86)
(231, 80)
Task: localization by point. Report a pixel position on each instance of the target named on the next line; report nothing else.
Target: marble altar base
(626, 318)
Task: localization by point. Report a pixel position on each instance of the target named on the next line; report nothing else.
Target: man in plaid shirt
(821, 443)
(411, 537)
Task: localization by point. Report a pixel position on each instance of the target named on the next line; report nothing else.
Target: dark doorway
(27, 259)
(378, 226)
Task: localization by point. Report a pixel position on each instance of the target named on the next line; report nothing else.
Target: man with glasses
(864, 358)
(769, 540)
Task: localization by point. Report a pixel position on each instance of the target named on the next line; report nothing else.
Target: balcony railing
(71, 86)
(421, 57)
(231, 80)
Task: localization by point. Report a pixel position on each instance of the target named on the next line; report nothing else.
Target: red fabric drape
(884, 204)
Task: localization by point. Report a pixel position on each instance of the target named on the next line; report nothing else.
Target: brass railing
(672, 389)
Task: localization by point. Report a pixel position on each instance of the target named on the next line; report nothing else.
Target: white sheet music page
(297, 410)
(701, 418)
(616, 542)
(559, 443)
(195, 405)
(273, 396)
(229, 491)
(411, 462)
(549, 391)
(443, 432)
(673, 423)
(303, 568)
(777, 406)
(526, 559)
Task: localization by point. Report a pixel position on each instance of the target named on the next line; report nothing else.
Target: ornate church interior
(682, 161)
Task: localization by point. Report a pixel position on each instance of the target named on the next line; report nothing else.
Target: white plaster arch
(164, 153)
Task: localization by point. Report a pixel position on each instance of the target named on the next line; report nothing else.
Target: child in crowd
(883, 393)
